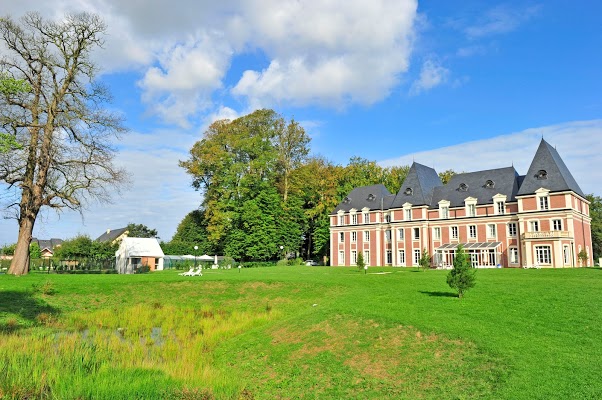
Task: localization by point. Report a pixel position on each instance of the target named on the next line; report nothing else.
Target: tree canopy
(262, 190)
(141, 231)
(595, 212)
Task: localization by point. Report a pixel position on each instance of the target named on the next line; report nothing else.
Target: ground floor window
(416, 257)
(401, 257)
(389, 257)
(366, 257)
(353, 257)
(566, 255)
(513, 255)
(341, 257)
(543, 255)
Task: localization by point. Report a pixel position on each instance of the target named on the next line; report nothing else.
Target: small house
(133, 253)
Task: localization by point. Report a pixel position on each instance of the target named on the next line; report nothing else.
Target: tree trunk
(20, 263)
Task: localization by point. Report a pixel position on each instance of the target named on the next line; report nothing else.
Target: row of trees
(262, 190)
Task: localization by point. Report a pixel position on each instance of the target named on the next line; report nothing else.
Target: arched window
(463, 187)
(542, 174)
(489, 184)
(408, 191)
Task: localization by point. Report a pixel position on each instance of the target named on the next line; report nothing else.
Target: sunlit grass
(301, 332)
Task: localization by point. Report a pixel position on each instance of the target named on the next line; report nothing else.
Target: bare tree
(65, 158)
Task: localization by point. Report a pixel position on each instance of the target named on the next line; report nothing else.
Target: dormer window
(541, 174)
(408, 192)
(489, 184)
(347, 200)
(463, 187)
(371, 197)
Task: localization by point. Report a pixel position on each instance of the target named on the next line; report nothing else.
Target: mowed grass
(302, 332)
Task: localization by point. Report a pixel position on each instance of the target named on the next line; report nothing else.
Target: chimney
(108, 231)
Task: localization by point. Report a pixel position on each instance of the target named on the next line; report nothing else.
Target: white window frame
(366, 236)
(491, 231)
(543, 199)
(353, 236)
(353, 219)
(400, 234)
(341, 237)
(470, 205)
(556, 224)
(401, 255)
(416, 233)
(407, 212)
(454, 232)
(513, 255)
(543, 255)
(444, 209)
(417, 255)
(366, 257)
(437, 233)
(499, 204)
(512, 232)
(566, 254)
(341, 257)
(534, 226)
(365, 217)
(472, 231)
(388, 235)
(389, 257)
(353, 257)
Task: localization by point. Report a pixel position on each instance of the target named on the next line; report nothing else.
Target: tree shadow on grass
(440, 294)
(25, 306)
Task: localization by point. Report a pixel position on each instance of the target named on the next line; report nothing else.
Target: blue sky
(461, 85)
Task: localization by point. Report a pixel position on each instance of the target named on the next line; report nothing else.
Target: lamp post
(365, 269)
(195, 251)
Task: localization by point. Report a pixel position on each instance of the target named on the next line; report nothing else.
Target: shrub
(462, 276)
(360, 261)
(425, 260)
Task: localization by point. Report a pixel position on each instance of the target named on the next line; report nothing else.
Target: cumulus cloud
(577, 143)
(432, 74)
(328, 53)
(332, 53)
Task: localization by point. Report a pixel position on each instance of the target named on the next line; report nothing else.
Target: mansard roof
(548, 171)
(373, 197)
(417, 187)
(481, 185)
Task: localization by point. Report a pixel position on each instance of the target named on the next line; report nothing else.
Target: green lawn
(302, 332)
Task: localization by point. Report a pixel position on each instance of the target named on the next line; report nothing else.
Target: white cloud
(432, 74)
(501, 19)
(577, 143)
(328, 53)
(333, 52)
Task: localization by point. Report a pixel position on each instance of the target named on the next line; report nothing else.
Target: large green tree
(244, 168)
(595, 212)
(60, 122)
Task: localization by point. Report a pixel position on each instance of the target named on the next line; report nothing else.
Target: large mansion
(501, 218)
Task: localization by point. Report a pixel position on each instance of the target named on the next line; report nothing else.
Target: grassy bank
(301, 332)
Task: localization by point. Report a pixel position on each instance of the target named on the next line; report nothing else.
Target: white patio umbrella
(215, 259)
(205, 257)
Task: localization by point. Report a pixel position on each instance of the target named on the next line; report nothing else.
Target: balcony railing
(546, 235)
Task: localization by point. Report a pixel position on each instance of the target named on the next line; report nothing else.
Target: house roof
(49, 244)
(372, 197)
(481, 185)
(111, 234)
(417, 187)
(548, 171)
(139, 247)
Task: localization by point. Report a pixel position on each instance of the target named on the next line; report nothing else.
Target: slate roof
(49, 244)
(417, 187)
(482, 185)
(366, 196)
(558, 178)
(111, 234)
